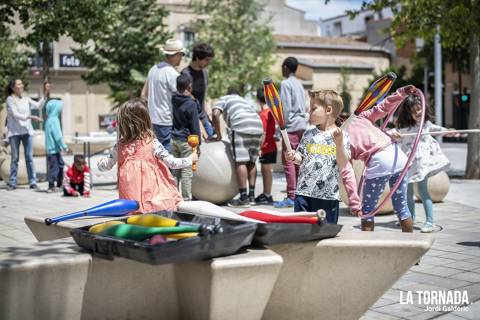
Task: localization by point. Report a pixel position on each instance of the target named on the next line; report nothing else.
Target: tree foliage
(344, 87)
(122, 51)
(459, 25)
(418, 19)
(45, 21)
(13, 59)
(244, 45)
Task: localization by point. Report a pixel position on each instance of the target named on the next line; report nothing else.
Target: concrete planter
(58, 280)
(286, 281)
(39, 143)
(332, 279)
(215, 179)
(438, 187)
(43, 282)
(22, 176)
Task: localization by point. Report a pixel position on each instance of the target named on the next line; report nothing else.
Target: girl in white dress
(429, 158)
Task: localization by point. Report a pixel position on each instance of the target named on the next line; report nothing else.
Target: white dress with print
(429, 158)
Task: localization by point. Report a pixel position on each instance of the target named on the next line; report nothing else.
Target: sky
(316, 9)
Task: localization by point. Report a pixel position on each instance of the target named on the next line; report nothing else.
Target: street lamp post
(438, 79)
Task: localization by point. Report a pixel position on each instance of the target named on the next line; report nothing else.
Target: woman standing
(19, 129)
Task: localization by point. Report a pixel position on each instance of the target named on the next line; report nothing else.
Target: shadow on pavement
(470, 243)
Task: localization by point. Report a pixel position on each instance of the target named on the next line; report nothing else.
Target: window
(328, 30)
(337, 29)
(188, 38)
(36, 61)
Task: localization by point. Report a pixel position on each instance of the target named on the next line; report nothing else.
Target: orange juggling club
(193, 141)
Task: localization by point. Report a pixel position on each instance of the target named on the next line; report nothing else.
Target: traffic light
(465, 100)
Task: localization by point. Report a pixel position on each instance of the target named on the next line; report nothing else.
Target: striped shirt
(239, 115)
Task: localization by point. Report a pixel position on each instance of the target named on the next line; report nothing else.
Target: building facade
(343, 26)
(86, 108)
(322, 60)
(370, 27)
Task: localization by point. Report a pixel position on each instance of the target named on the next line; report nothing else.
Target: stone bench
(337, 278)
(58, 280)
(43, 281)
(341, 278)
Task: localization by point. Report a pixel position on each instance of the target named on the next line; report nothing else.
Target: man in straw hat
(159, 88)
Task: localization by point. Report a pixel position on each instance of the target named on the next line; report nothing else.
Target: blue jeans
(55, 170)
(164, 135)
(309, 204)
(208, 127)
(424, 196)
(26, 140)
(373, 189)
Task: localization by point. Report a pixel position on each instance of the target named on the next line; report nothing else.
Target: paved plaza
(452, 264)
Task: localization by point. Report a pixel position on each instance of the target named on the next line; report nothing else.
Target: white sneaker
(427, 228)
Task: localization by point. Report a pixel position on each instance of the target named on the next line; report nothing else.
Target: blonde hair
(326, 98)
(133, 121)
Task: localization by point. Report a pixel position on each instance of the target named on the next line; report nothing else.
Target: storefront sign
(69, 61)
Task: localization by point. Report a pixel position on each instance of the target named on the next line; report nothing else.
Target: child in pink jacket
(143, 162)
(383, 158)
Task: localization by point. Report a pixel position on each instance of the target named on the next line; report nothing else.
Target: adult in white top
(159, 88)
(20, 130)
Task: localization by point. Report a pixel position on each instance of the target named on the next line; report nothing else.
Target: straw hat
(173, 46)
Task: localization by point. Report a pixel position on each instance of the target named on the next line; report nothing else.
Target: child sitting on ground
(317, 186)
(143, 162)
(77, 178)
(384, 160)
(185, 122)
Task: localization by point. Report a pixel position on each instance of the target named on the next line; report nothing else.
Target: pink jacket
(366, 139)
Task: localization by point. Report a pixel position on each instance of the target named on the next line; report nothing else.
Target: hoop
(409, 160)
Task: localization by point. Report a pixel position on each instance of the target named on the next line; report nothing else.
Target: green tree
(459, 23)
(45, 21)
(243, 44)
(13, 59)
(345, 87)
(122, 51)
